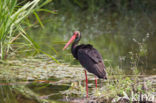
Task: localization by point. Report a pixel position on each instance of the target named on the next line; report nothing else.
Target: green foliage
(10, 19)
(12, 27)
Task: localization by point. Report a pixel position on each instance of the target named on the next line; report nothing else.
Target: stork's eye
(76, 37)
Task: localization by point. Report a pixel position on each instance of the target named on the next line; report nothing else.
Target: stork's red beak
(70, 41)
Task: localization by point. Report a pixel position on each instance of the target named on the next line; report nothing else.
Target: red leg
(96, 81)
(86, 84)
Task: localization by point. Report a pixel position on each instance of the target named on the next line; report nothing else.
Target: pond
(40, 79)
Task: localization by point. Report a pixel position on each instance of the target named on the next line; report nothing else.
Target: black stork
(88, 57)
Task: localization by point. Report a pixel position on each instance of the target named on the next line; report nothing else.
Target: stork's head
(76, 37)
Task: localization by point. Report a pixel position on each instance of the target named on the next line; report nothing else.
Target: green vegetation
(35, 69)
(12, 27)
(11, 18)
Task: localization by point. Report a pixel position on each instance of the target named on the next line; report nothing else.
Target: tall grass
(10, 23)
(11, 20)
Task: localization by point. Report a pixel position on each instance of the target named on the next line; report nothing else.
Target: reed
(11, 16)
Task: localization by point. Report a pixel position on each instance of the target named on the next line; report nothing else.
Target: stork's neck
(73, 48)
(74, 45)
(76, 41)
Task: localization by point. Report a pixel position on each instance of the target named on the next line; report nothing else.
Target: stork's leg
(96, 81)
(86, 83)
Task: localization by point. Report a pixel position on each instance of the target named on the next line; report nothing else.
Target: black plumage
(89, 58)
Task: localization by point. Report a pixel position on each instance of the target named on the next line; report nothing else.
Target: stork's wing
(92, 53)
(92, 61)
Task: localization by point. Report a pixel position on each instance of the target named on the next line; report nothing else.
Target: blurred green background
(122, 30)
